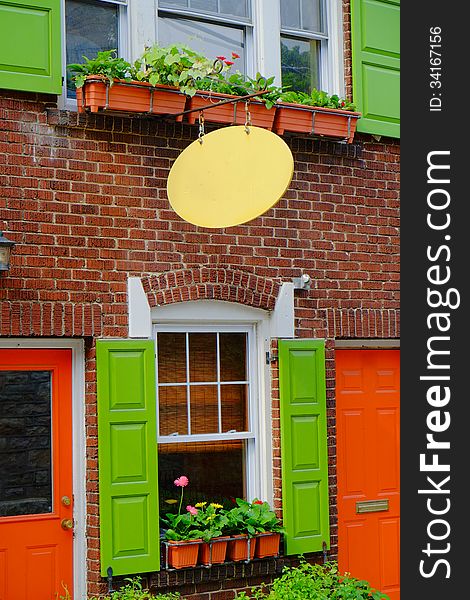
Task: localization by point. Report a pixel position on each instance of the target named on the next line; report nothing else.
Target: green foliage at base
(132, 590)
(315, 582)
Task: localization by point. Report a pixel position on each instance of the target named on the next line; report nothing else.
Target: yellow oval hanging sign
(230, 177)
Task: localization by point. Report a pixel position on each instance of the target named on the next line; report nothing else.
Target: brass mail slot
(366, 506)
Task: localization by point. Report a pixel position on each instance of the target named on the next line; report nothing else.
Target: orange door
(368, 459)
(35, 474)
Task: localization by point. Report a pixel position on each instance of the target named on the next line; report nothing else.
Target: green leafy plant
(252, 518)
(238, 84)
(181, 527)
(176, 65)
(315, 582)
(106, 63)
(178, 527)
(210, 519)
(132, 590)
(317, 98)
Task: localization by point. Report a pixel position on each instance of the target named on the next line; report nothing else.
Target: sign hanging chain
(247, 118)
(201, 127)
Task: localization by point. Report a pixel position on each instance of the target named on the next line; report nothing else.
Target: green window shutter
(375, 34)
(30, 46)
(127, 454)
(304, 451)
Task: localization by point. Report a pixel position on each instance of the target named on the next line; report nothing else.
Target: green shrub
(132, 590)
(316, 582)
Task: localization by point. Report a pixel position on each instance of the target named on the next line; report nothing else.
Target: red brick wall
(84, 198)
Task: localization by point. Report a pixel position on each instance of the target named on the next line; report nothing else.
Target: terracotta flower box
(267, 544)
(230, 113)
(213, 552)
(183, 554)
(328, 122)
(130, 97)
(238, 547)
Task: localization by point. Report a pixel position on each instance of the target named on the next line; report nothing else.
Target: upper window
(297, 41)
(213, 27)
(205, 415)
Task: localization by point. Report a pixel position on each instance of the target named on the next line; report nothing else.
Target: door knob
(67, 523)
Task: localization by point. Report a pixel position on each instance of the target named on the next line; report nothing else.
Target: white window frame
(252, 456)
(217, 313)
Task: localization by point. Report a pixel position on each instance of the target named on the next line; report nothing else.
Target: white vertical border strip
(267, 43)
(142, 19)
(335, 78)
(140, 321)
(78, 446)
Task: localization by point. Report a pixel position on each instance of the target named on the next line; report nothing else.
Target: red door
(368, 459)
(36, 527)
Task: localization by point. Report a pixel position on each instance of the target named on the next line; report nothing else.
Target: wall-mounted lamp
(6, 246)
(302, 283)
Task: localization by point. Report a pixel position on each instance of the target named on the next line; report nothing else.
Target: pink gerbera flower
(192, 510)
(182, 481)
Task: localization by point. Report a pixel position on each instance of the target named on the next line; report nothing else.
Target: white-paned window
(213, 27)
(300, 42)
(92, 26)
(207, 416)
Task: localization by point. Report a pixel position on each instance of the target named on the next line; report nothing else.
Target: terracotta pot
(230, 114)
(137, 96)
(238, 547)
(267, 544)
(219, 549)
(183, 554)
(329, 122)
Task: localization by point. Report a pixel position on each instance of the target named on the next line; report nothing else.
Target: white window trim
(78, 448)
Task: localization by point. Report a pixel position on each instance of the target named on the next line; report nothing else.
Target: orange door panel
(36, 527)
(368, 466)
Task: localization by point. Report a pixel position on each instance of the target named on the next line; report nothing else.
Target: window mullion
(219, 401)
(188, 387)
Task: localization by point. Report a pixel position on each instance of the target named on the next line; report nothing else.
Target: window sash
(249, 382)
(315, 34)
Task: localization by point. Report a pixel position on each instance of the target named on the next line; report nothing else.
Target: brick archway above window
(211, 283)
